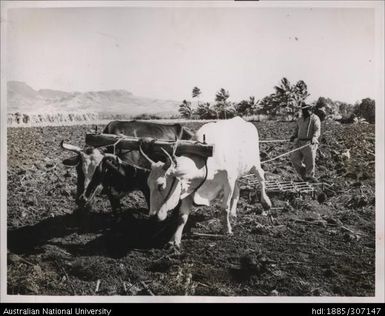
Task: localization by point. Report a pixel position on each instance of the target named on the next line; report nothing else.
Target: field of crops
(322, 245)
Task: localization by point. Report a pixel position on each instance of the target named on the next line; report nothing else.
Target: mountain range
(24, 99)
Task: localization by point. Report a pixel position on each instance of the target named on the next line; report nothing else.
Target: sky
(164, 52)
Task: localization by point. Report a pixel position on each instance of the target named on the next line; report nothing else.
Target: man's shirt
(308, 128)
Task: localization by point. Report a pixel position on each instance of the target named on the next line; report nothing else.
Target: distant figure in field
(307, 131)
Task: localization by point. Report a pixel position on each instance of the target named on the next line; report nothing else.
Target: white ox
(235, 153)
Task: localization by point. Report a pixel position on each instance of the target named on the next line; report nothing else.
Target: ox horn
(145, 156)
(70, 147)
(170, 159)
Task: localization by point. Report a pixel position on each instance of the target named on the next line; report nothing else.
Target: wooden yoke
(132, 143)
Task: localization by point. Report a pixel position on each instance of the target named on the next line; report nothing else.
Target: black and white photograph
(193, 151)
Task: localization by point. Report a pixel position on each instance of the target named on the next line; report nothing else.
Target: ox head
(86, 162)
(164, 184)
(110, 164)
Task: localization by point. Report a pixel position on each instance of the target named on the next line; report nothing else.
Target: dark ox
(121, 173)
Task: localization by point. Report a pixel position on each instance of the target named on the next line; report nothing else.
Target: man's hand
(314, 141)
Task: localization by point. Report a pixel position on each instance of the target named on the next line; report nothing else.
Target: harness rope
(261, 141)
(274, 141)
(174, 179)
(116, 143)
(169, 192)
(285, 154)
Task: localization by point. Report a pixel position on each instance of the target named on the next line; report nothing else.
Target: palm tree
(205, 111)
(300, 92)
(247, 107)
(185, 109)
(287, 97)
(196, 92)
(222, 104)
(283, 96)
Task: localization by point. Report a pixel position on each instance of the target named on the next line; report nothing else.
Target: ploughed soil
(320, 244)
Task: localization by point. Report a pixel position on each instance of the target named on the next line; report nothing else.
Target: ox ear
(73, 161)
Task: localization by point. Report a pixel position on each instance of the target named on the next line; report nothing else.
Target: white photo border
(377, 6)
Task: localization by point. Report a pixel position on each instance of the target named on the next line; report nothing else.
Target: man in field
(306, 132)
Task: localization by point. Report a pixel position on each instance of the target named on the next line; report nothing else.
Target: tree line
(283, 102)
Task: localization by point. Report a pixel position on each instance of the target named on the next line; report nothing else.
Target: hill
(24, 99)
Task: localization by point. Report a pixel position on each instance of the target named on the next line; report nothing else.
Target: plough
(288, 186)
(291, 187)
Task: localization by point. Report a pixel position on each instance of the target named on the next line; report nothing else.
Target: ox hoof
(172, 247)
(227, 232)
(267, 205)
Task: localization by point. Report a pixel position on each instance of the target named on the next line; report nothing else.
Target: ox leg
(234, 201)
(258, 171)
(228, 192)
(146, 193)
(184, 211)
(115, 202)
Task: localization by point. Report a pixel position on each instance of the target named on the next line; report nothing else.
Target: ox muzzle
(109, 163)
